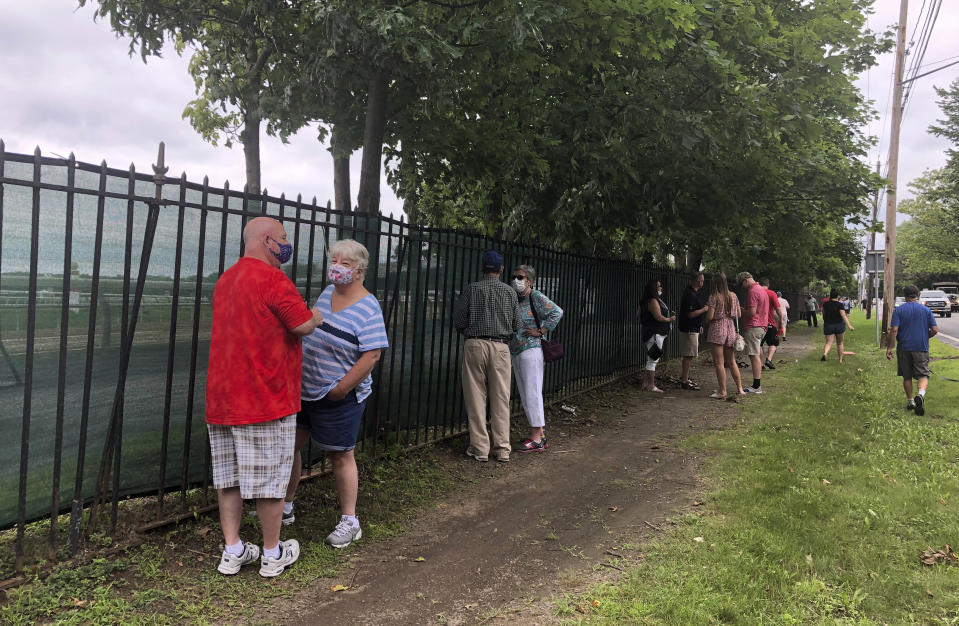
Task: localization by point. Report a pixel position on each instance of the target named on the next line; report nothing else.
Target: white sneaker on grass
(230, 563)
(344, 534)
(289, 553)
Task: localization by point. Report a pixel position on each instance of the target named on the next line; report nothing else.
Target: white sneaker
(344, 534)
(230, 563)
(289, 553)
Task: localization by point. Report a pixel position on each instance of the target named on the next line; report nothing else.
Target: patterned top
(487, 308)
(719, 306)
(336, 345)
(549, 316)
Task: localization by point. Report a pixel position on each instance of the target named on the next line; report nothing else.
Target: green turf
(820, 503)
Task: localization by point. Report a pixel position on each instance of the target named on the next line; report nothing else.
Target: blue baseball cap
(492, 260)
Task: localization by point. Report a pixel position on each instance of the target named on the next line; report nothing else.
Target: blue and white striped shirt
(332, 350)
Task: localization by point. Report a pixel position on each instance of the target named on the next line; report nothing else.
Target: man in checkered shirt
(486, 313)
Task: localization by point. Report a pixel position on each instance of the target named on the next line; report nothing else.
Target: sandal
(690, 385)
(717, 396)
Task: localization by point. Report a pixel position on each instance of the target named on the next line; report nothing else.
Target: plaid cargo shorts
(257, 458)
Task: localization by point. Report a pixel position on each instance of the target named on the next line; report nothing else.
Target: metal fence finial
(159, 168)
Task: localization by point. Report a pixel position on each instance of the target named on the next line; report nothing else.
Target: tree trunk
(341, 174)
(250, 136)
(694, 258)
(368, 199)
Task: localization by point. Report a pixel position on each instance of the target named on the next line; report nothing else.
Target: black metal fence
(106, 278)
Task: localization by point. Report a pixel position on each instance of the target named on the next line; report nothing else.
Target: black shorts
(772, 336)
(834, 329)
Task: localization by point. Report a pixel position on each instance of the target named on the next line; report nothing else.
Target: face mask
(285, 253)
(659, 293)
(340, 275)
(519, 285)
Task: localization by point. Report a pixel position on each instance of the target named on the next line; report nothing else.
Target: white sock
(922, 392)
(273, 553)
(287, 508)
(352, 519)
(236, 549)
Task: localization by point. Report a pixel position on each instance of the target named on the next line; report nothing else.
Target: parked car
(899, 300)
(952, 292)
(937, 301)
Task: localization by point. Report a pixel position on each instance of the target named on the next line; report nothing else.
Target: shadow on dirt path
(503, 547)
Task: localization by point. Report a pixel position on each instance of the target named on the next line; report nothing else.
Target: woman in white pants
(527, 353)
(655, 323)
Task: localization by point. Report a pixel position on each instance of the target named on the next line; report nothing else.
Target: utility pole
(872, 246)
(889, 295)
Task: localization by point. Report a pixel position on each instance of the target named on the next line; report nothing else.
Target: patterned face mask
(341, 275)
(285, 253)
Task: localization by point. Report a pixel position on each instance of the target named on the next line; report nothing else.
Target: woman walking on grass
(722, 307)
(834, 322)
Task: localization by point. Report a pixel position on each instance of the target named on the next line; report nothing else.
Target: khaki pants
(486, 374)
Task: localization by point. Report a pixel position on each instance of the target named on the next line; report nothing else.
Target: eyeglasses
(518, 277)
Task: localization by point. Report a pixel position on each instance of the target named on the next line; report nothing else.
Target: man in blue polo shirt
(913, 324)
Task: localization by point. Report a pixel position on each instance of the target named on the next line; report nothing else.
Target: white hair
(352, 250)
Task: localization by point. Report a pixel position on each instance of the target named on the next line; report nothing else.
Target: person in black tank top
(834, 324)
(655, 319)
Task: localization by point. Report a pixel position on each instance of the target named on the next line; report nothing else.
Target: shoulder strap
(532, 307)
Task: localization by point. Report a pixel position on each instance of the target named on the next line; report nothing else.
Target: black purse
(552, 349)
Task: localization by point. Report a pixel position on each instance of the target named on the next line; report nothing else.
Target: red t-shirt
(255, 361)
(773, 306)
(757, 300)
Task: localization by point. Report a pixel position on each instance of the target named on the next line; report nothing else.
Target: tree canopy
(725, 133)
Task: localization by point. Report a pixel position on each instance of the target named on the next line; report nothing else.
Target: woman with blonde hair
(722, 308)
(338, 359)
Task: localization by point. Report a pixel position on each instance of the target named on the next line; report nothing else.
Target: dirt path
(542, 525)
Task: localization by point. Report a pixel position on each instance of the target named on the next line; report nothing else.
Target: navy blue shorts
(334, 424)
(834, 329)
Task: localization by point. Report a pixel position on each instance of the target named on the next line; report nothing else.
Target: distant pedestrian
(755, 323)
(911, 328)
(811, 319)
(774, 321)
(538, 316)
(487, 315)
(722, 310)
(835, 322)
(692, 312)
(783, 314)
(655, 320)
(338, 360)
(253, 393)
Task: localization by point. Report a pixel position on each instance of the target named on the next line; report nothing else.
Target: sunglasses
(518, 277)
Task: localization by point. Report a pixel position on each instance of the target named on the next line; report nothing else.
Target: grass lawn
(818, 507)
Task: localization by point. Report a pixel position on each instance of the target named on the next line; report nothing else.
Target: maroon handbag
(552, 348)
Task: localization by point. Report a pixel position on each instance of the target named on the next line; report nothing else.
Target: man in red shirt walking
(755, 320)
(253, 393)
(772, 327)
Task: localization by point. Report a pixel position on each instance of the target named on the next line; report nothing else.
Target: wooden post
(890, 288)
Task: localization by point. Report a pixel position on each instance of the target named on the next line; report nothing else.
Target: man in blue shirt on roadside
(913, 324)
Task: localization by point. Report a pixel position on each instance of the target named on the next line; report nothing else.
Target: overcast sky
(67, 84)
(919, 150)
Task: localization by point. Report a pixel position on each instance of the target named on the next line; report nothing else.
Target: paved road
(949, 330)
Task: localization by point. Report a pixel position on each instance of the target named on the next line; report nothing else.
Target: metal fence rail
(106, 278)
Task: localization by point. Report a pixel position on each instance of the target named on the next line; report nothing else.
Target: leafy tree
(929, 241)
